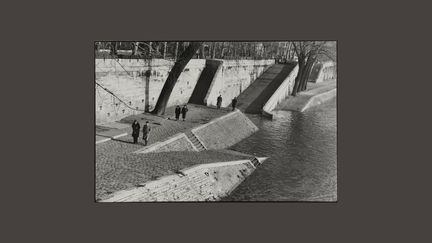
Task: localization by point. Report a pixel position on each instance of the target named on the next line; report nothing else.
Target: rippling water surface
(302, 157)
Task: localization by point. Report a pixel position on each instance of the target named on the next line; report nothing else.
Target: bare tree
(307, 53)
(175, 72)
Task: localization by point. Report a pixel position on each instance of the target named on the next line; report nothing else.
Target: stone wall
(282, 92)
(225, 131)
(206, 182)
(127, 79)
(233, 77)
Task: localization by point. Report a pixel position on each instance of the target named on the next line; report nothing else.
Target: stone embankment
(204, 182)
(316, 94)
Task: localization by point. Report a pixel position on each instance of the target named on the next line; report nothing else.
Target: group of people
(219, 102)
(182, 110)
(136, 131)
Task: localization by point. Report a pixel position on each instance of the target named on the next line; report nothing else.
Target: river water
(302, 157)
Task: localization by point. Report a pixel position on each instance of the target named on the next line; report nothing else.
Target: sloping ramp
(257, 94)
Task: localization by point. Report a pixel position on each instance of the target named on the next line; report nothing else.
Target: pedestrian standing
(184, 110)
(177, 112)
(146, 131)
(135, 131)
(219, 101)
(234, 103)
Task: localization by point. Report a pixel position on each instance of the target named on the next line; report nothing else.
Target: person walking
(146, 131)
(177, 112)
(135, 131)
(234, 103)
(184, 110)
(219, 101)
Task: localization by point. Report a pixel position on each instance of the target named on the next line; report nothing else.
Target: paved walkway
(298, 102)
(118, 168)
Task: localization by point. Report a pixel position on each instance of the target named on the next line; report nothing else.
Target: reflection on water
(302, 157)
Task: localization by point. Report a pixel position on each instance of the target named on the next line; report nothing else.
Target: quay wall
(138, 83)
(233, 77)
(205, 182)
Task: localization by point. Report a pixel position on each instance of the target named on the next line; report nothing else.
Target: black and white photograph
(215, 121)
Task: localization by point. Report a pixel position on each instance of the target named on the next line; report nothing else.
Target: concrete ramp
(258, 93)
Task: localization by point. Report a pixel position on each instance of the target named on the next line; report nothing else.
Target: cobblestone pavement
(118, 168)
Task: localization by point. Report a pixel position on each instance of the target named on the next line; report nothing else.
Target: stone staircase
(195, 141)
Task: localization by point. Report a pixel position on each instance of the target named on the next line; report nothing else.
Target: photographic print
(215, 121)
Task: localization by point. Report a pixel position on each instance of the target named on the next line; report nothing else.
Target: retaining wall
(206, 182)
(127, 79)
(281, 93)
(233, 77)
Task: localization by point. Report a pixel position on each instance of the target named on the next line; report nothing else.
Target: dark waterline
(302, 157)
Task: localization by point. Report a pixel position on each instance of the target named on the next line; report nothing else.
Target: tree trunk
(308, 69)
(176, 51)
(175, 72)
(298, 79)
(135, 50)
(214, 50)
(165, 48)
(150, 49)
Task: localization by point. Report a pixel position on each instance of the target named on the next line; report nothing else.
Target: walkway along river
(302, 163)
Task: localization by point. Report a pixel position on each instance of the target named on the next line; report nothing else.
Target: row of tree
(207, 50)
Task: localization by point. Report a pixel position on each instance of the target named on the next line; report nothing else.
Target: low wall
(206, 182)
(233, 77)
(225, 131)
(281, 93)
(319, 98)
(178, 142)
(127, 79)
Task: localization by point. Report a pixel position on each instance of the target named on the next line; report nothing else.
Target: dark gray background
(48, 117)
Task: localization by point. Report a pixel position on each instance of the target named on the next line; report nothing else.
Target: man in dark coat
(234, 103)
(146, 131)
(135, 131)
(219, 101)
(184, 110)
(177, 112)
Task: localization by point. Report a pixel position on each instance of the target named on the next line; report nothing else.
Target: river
(302, 163)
